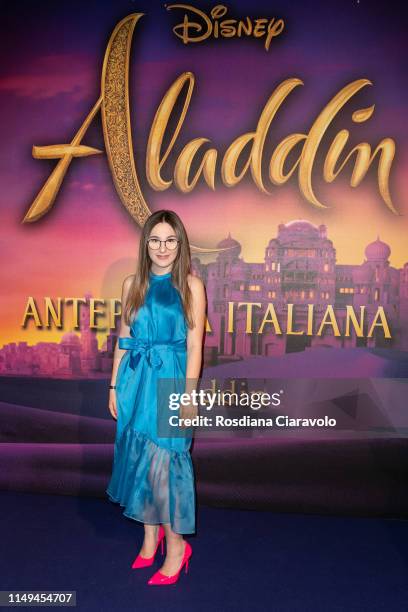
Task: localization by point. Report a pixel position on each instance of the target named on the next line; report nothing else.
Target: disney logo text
(197, 31)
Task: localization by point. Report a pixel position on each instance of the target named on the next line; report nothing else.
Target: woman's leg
(150, 540)
(174, 551)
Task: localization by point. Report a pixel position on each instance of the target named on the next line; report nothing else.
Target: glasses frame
(161, 241)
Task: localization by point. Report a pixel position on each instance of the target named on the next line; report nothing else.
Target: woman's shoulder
(195, 283)
(127, 284)
(128, 281)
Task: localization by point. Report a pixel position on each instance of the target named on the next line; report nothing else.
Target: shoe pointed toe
(142, 562)
(158, 578)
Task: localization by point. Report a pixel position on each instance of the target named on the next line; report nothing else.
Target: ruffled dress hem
(153, 484)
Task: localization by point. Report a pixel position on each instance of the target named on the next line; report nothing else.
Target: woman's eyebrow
(171, 236)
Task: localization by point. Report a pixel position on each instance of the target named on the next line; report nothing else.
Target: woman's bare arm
(195, 341)
(195, 335)
(124, 330)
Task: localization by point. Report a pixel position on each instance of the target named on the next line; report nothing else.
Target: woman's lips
(163, 256)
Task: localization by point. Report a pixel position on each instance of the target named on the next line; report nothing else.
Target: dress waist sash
(150, 350)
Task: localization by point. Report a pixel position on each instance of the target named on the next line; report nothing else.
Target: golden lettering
(380, 314)
(206, 26)
(274, 320)
(289, 328)
(230, 317)
(254, 160)
(115, 110)
(31, 311)
(363, 158)
(94, 312)
(310, 308)
(113, 313)
(65, 153)
(316, 134)
(274, 29)
(154, 162)
(50, 309)
(183, 166)
(329, 318)
(75, 310)
(351, 317)
(249, 306)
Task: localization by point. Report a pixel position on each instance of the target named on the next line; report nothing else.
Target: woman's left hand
(187, 412)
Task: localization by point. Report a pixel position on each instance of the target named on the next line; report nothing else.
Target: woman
(161, 334)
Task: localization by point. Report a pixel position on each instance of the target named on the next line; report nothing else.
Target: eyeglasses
(155, 243)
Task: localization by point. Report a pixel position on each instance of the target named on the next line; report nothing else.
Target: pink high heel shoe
(146, 561)
(159, 578)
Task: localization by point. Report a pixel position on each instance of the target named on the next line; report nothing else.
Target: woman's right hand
(112, 403)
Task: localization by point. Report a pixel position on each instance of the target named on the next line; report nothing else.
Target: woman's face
(165, 252)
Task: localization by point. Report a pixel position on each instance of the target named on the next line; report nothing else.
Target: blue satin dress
(152, 477)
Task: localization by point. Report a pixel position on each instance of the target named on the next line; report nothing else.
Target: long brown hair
(181, 266)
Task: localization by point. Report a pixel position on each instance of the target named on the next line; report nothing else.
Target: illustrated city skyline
(299, 267)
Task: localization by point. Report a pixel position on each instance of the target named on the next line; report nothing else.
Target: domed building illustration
(299, 270)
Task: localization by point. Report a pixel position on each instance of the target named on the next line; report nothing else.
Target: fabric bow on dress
(151, 350)
(138, 348)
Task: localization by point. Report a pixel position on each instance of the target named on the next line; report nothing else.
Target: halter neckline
(158, 276)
